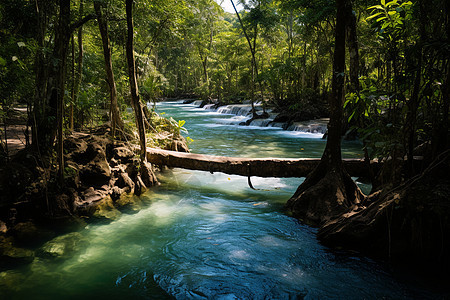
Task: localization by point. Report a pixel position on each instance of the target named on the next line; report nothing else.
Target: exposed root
(324, 195)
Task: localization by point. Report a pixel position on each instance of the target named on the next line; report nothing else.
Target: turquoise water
(209, 236)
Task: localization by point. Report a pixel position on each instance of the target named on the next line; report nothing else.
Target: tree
(116, 120)
(78, 73)
(145, 169)
(329, 191)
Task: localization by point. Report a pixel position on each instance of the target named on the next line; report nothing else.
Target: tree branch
(82, 21)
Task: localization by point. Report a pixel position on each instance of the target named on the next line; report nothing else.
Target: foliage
(194, 47)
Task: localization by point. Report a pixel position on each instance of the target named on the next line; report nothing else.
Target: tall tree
(145, 169)
(252, 50)
(79, 71)
(63, 34)
(329, 191)
(116, 121)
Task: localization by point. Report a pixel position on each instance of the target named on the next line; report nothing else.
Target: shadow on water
(209, 236)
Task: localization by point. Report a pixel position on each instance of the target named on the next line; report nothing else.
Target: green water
(209, 236)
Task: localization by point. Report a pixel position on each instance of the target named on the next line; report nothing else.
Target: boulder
(63, 246)
(124, 181)
(3, 228)
(27, 233)
(11, 256)
(97, 172)
(105, 211)
(122, 154)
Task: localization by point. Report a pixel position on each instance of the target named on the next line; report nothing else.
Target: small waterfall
(235, 109)
(236, 120)
(313, 126)
(276, 124)
(209, 107)
(261, 122)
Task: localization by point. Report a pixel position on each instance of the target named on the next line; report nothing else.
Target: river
(209, 236)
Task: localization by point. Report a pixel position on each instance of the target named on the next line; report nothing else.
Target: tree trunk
(72, 93)
(42, 126)
(146, 172)
(353, 50)
(252, 50)
(262, 167)
(63, 34)
(116, 121)
(79, 72)
(329, 191)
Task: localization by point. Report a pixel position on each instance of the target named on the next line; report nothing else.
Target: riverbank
(103, 179)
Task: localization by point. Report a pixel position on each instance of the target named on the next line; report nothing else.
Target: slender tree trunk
(116, 121)
(41, 127)
(61, 46)
(353, 50)
(79, 72)
(146, 172)
(135, 100)
(72, 94)
(413, 103)
(252, 50)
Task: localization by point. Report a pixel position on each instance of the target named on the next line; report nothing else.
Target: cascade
(312, 126)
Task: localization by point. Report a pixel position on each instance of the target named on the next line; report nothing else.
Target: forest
(129, 127)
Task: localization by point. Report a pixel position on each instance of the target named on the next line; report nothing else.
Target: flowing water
(209, 236)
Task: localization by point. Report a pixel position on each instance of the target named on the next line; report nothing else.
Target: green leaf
(374, 16)
(351, 116)
(383, 2)
(2, 61)
(181, 123)
(375, 6)
(21, 44)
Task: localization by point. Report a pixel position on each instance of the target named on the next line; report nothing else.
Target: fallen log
(262, 167)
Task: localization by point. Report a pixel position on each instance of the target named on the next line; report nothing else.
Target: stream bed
(209, 236)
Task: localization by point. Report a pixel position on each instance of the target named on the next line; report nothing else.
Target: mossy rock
(12, 256)
(63, 246)
(129, 203)
(106, 211)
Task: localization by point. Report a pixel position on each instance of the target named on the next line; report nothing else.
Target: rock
(140, 187)
(11, 256)
(122, 154)
(129, 203)
(124, 181)
(74, 144)
(27, 233)
(92, 195)
(96, 172)
(14, 178)
(105, 211)
(116, 192)
(147, 175)
(11, 281)
(63, 246)
(3, 228)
